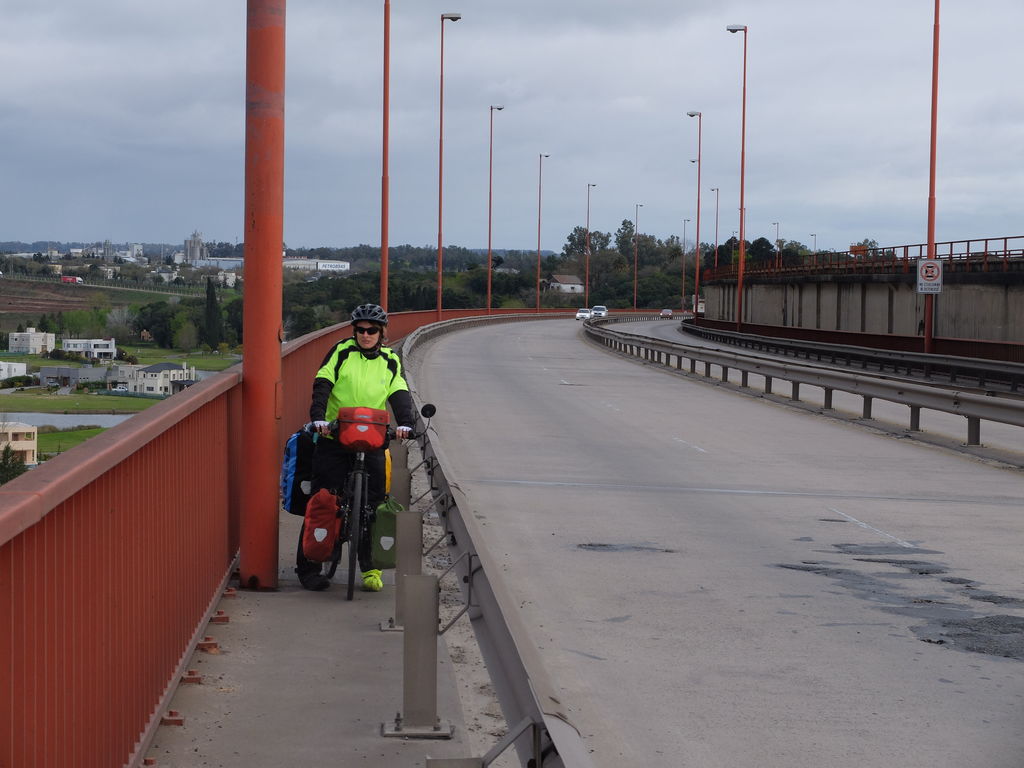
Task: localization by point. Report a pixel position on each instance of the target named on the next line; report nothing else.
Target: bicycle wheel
(356, 501)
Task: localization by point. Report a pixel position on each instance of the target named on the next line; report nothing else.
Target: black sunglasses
(370, 330)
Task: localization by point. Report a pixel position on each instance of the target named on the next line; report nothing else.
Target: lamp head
(498, 107)
(451, 16)
(543, 155)
(693, 114)
(737, 28)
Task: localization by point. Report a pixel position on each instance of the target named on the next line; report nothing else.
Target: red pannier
(362, 429)
(322, 526)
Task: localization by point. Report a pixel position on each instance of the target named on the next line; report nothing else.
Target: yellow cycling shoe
(372, 581)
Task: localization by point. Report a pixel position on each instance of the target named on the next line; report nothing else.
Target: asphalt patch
(919, 567)
(598, 547)
(992, 635)
(939, 619)
(877, 550)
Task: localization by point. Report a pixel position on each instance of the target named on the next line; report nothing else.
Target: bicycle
(353, 510)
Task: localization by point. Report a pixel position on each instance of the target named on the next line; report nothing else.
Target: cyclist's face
(367, 334)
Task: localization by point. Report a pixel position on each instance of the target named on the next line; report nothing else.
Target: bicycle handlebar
(332, 427)
(426, 411)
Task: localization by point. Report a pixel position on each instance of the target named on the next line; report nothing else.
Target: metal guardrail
(983, 371)
(539, 721)
(975, 408)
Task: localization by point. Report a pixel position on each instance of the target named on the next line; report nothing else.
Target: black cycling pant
(331, 465)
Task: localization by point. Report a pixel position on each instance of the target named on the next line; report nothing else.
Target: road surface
(715, 579)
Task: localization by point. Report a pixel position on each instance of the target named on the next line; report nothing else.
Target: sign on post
(929, 276)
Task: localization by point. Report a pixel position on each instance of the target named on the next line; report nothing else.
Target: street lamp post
(743, 159)
(440, 165)
(586, 279)
(490, 203)
(778, 246)
(815, 256)
(384, 183)
(929, 299)
(682, 296)
(715, 190)
(636, 245)
(540, 176)
(696, 251)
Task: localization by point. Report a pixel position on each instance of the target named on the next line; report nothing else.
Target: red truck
(69, 279)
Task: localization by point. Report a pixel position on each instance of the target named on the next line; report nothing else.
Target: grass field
(57, 442)
(38, 401)
(146, 355)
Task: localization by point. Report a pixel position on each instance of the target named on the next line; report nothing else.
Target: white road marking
(689, 445)
(853, 519)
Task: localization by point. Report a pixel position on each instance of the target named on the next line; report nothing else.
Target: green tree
(761, 251)
(576, 242)
(213, 321)
(156, 318)
(233, 327)
(186, 337)
(624, 239)
(11, 465)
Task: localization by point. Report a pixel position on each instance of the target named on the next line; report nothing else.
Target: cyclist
(358, 372)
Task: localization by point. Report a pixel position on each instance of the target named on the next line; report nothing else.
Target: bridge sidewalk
(302, 678)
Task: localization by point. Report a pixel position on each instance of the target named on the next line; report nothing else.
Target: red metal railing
(111, 555)
(981, 255)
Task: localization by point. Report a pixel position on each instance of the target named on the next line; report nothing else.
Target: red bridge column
(261, 321)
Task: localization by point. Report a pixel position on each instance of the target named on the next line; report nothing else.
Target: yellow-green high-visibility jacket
(350, 378)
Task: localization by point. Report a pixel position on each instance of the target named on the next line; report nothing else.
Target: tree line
(663, 275)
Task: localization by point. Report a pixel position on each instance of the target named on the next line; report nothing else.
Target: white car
(583, 314)
(599, 311)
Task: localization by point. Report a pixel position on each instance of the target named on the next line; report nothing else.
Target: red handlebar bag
(362, 429)
(322, 526)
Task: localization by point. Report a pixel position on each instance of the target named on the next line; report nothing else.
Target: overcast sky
(124, 120)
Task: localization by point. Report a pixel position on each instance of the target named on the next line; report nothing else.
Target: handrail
(1000, 250)
(109, 567)
(510, 654)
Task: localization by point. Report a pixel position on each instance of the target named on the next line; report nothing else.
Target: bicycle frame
(354, 508)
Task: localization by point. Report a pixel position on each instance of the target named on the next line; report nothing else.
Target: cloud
(125, 120)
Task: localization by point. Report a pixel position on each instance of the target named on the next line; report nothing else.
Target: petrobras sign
(332, 266)
(929, 276)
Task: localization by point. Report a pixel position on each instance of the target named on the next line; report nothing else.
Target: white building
(566, 284)
(158, 379)
(9, 370)
(99, 349)
(31, 342)
(21, 438)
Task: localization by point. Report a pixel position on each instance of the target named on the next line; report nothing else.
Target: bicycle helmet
(371, 312)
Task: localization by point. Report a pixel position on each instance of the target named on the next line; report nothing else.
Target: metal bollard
(418, 719)
(409, 562)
